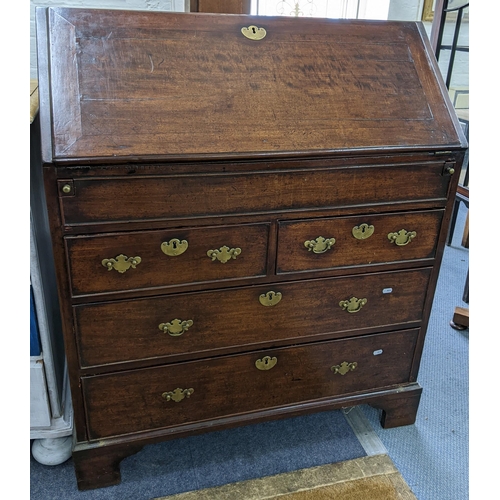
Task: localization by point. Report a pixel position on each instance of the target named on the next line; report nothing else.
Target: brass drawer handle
(320, 244)
(402, 237)
(363, 231)
(344, 367)
(223, 254)
(178, 394)
(266, 363)
(121, 263)
(174, 247)
(270, 298)
(176, 327)
(352, 305)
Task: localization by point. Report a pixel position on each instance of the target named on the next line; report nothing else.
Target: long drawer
(160, 397)
(334, 242)
(101, 200)
(147, 259)
(207, 322)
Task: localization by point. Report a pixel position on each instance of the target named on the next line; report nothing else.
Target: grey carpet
(213, 459)
(432, 455)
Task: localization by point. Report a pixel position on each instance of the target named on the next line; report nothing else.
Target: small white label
(378, 352)
(387, 290)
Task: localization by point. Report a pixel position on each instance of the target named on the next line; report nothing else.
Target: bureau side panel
(64, 294)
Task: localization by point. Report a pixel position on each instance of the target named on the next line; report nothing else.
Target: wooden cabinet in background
(221, 6)
(248, 216)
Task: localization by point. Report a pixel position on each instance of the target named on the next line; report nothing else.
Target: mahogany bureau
(248, 216)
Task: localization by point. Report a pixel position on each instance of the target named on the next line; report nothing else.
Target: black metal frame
(462, 194)
(454, 47)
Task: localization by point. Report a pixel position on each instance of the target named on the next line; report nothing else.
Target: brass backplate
(266, 363)
(177, 395)
(121, 263)
(253, 32)
(174, 247)
(363, 231)
(270, 298)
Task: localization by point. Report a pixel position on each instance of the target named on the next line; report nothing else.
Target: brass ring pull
(344, 367)
(224, 254)
(320, 244)
(176, 327)
(174, 247)
(121, 263)
(363, 231)
(178, 394)
(266, 363)
(402, 237)
(270, 298)
(352, 305)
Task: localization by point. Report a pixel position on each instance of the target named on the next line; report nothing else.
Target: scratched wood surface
(308, 310)
(138, 197)
(230, 385)
(161, 126)
(167, 84)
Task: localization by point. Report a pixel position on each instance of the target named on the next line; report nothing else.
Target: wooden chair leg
(453, 222)
(465, 237)
(465, 296)
(460, 319)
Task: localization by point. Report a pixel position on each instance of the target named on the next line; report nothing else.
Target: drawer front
(201, 323)
(147, 259)
(96, 200)
(160, 397)
(335, 242)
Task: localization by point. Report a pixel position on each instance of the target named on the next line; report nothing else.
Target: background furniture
(221, 6)
(444, 9)
(51, 413)
(246, 223)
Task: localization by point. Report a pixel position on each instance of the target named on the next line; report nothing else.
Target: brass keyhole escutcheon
(363, 231)
(174, 247)
(270, 298)
(253, 32)
(344, 367)
(402, 237)
(266, 363)
(320, 244)
(352, 305)
(176, 327)
(121, 263)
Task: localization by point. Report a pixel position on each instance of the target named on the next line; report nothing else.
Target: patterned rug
(366, 478)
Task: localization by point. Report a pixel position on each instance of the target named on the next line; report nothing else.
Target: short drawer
(213, 322)
(140, 198)
(148, 259)
(161, 397)
(337, 242)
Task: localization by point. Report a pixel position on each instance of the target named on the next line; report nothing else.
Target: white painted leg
(52, 451)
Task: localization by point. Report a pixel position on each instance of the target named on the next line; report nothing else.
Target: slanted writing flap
(170, 85)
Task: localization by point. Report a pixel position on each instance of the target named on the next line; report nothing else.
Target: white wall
(406, 10)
